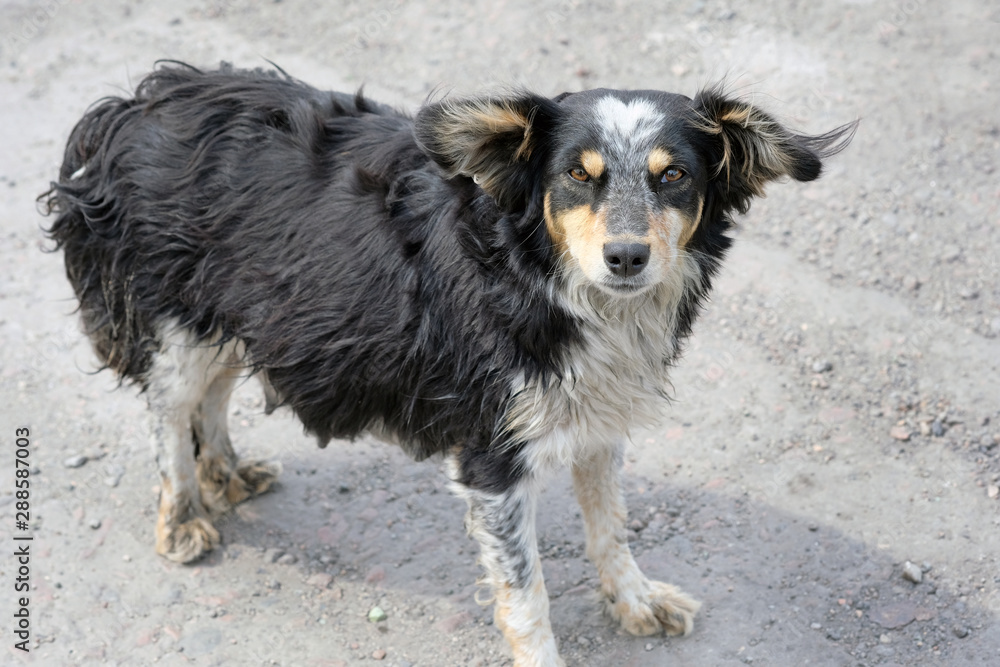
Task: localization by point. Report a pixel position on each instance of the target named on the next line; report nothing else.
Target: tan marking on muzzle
(579, 232)
(690, 225)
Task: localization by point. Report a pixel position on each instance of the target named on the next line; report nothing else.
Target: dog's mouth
(626, 287)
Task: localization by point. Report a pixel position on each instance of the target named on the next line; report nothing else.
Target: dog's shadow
(775, 587)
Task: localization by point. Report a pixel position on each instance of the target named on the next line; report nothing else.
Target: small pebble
(951, 253)
(377, 614)
(912, 572)
(823, 366)
(900, 433)
(115, 474)
(378, 654)
(75, 461)
(649, 647)
(127, 558)
(287, 559)
(95, 523)
(816, 626)
(961, 631)
(937, 428)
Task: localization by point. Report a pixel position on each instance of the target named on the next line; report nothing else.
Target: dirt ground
(837, 414)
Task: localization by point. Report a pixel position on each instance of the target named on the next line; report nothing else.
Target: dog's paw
(188, 541)
(222, 487)
(659, 607)
(258, 476)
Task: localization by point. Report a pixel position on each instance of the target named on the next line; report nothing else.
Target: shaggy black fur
(373, 291)
(311, 226)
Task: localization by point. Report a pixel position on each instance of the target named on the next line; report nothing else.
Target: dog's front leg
(642, 606)
(503, 522)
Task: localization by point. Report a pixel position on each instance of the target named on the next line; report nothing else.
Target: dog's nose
(626, 259)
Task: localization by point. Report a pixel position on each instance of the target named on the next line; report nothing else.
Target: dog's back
(153, 188)
(247, 206)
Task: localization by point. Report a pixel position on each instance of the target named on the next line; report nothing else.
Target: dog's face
(624, 187)
(625, 180)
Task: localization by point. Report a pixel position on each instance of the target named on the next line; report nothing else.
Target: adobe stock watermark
(770, 316)
(886, 198)
(375, 24)
(17, 38)
(901, 14)
(559, 13)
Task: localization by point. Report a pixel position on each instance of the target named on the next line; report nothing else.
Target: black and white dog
(505, 280)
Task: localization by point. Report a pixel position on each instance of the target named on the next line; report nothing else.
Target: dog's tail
(87, 228)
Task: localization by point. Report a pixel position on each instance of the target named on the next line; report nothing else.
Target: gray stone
(912, 572)
(75, 461)
(115, 473)
(822, 366)
(287, 559)
(893, 616)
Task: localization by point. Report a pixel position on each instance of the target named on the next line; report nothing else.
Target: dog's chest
(615, 379)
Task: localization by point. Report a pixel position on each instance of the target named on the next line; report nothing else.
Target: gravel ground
(826, 480)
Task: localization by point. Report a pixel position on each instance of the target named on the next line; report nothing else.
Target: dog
(504, 280)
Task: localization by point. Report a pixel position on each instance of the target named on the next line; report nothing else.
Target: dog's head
(625, 179)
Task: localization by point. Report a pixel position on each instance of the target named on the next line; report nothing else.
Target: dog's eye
(579, 175)
(672, 175)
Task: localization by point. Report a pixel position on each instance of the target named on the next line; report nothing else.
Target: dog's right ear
(496, 141)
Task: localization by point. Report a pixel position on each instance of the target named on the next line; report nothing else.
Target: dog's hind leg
(503, 523)
(642, 606)
(180, 373)
(224, 480)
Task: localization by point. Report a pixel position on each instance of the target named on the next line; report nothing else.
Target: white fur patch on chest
(615, 380)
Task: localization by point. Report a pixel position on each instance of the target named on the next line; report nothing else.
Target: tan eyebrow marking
(592, 163)
(659, 160)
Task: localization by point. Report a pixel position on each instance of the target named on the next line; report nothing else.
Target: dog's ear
(748, 148)
(497, 141)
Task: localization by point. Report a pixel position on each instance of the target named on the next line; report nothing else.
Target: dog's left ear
(497, 141)
(749, 148)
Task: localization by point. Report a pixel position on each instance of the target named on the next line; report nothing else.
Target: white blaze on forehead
(631, 123)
